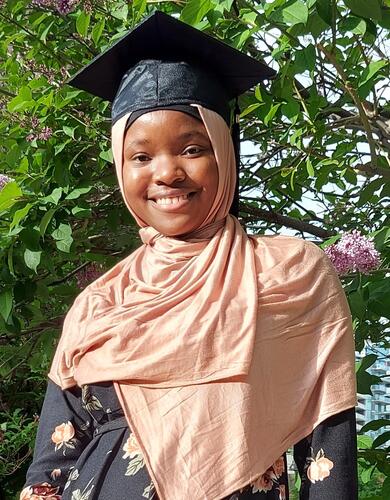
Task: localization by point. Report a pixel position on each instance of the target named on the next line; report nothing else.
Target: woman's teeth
(171, 201)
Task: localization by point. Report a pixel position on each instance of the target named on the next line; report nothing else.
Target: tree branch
(356, 99)
(284, 220)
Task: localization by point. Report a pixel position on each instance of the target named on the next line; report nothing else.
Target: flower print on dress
(55, 473)
(270, 478)
(282, 492)
(40, 491)
(133, 451)
(64, 436)
(319, 467)
(263, 483)
(89, 401)
(73, 475)
(149, 491)
(278, 467)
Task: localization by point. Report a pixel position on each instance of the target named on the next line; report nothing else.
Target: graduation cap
(165, 63)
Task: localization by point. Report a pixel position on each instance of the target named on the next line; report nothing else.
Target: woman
(196, 362)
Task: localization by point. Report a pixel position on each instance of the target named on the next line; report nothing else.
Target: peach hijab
(224, 349)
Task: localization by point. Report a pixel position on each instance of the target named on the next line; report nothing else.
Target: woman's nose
(168, 170)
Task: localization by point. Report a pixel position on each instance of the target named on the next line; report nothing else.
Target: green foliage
(318, 165)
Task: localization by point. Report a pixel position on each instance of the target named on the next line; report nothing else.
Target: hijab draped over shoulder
(224, 349)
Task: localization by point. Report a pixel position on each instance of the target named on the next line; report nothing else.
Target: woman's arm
(327, 459)
(64, 431)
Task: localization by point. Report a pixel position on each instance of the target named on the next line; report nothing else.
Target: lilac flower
(64, 7)
(30, 137)
(45, 134)
(88, 274)
(4, 179)
(353, 253)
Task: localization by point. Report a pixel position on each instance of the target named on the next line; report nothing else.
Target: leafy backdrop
(318, 167)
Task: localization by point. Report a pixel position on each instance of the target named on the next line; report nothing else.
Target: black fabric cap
(189, 110)
(162, 62)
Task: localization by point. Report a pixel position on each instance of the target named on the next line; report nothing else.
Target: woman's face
(170, 174)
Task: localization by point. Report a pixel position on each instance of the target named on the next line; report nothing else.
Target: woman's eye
(192, 150)
(140, 158)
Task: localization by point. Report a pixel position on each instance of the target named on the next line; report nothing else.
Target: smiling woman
(196, 362)
(170, 174)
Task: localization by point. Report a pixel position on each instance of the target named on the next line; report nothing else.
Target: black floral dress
(85, 451)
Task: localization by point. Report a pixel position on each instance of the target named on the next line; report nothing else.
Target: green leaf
(53, 197)
(357, 304)
(81, 212)
(9, 195)
(107, 156)
(121, 13)
(271, 113)
(353, 24)
(381, 439)
(365, 8)
(63, 232)
(82, 23)
(64, 245)
(97, 31)
(295, 13)
(32, 259)
(76, 193)
(5, 303)
(366, 474)
(364, 442)
(21, 101)
(250, 108)
(309, 167)
(46, 220)
(195, 10)
(374, 425)
(69, 131)
(20, 215)
(305, 59)
(324, 9)
(371, 70)
(364, 379)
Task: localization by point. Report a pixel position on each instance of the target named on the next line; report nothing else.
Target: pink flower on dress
(63, 435)
(319, 467)
(263, 483)
(41, 491)
(131, 447)
(278, 467)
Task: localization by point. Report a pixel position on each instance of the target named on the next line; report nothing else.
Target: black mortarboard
(161, 50)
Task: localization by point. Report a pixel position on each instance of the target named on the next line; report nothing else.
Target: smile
(175, 200)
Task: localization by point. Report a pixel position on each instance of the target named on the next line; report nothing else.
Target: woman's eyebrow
(191, 134)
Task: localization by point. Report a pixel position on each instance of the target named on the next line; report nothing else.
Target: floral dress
(86, 451)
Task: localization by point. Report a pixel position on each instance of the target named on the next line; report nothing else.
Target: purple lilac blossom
(4, 179)
(45, 134)
(353, 253)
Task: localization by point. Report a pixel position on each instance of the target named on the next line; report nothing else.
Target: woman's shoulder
(286, 248)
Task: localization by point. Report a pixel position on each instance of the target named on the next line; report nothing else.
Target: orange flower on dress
(63, 435)
(41, 491)
(131, 447)
(319, 467)
(263, 483)
(278, 467)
